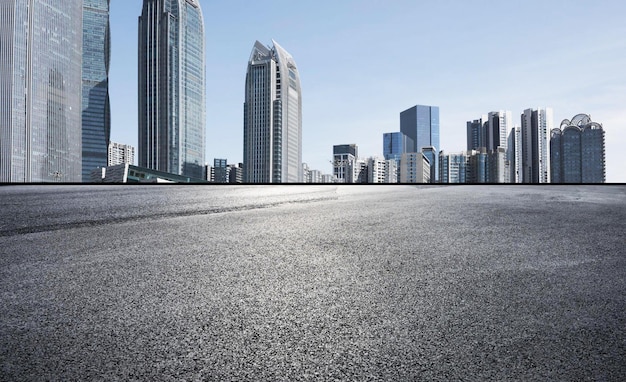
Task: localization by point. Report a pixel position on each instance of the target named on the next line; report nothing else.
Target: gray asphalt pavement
(312, 283)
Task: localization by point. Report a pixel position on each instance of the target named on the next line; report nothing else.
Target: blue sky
(363, 62)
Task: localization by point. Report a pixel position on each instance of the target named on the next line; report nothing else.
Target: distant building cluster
(55, 121)
(498, 151)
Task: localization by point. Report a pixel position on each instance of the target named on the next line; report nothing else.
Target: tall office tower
(344, 159)
(172, 87)
(452, 167)
(119, 153)
(421, 124)
(498, 126)
(96, 118)
(477, 133)
(40, 90)
(272, 123)
(577, 152)
(515, 155)
(536, 125)
(414, 168)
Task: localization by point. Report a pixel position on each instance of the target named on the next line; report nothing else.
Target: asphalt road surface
(312, 283)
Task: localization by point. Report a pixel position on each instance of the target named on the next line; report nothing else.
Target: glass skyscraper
(395, 144)
(421, 124)
(272, 123)
(40, 90)
(577, 152)
(172, 87)
(96, 117)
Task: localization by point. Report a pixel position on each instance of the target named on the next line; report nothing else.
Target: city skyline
(357, 76)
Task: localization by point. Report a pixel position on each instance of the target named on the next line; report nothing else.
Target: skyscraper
(272, 122)
(477, 133)
(395, 144)
(421, 124)
(536, 126)
(40, 90)
(172, 87)
(96, 114)
(499, 125)
(577, 151)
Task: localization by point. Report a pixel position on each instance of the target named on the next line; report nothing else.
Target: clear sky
(362, 62)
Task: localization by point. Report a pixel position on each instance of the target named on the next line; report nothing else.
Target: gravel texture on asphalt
(312, 283)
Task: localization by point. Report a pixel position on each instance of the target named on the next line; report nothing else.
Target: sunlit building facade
(172, 87)
(96, 113)
(40, 90)
(272, 130)
(414, 168)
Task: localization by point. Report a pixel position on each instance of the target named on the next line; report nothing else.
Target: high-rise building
(395, 144)
(515, 146)
(421, 124)
(96, 117)
(577, 153)
(119, 154)
(414, 168)
(172, 87)
(536, 126)
(40, 90)
(498, 126)
(272, 127)
(344, 162)
(477, 133)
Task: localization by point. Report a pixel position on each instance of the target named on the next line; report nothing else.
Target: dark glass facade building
(172, 87)
(40, 90)
(421, 124)
(477, 133)
(96, 114)
(577, 151)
